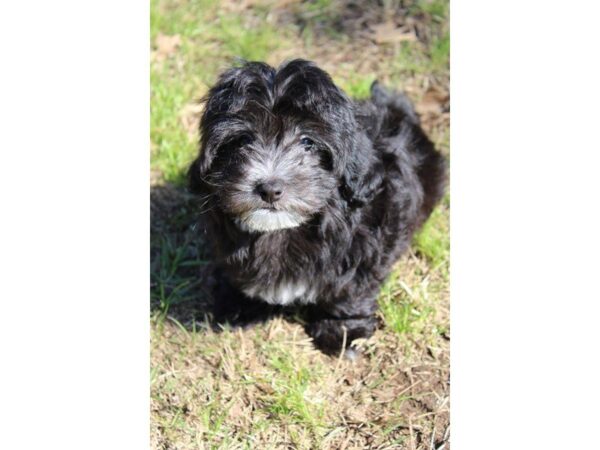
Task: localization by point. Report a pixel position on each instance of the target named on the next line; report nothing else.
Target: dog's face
(273, 144)
(272, 180)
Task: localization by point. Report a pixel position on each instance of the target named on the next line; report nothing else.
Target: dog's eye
(244, 140)
(307, 143)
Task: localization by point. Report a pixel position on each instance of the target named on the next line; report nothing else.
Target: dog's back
(390, 120)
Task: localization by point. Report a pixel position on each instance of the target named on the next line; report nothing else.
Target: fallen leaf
(388, 32)
(237, 412)
(434, 101)
(165, 46)
(358, 415)
(190, 118)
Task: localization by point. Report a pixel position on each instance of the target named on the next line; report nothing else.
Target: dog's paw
(351, 354)
(334, 335)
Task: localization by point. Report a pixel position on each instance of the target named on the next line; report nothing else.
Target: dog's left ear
(305, 89)
(362, 176)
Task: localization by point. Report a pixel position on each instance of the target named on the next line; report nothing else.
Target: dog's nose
(270, 191)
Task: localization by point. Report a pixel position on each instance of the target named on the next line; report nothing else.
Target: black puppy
(311, 197)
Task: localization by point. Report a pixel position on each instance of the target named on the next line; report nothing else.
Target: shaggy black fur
(353, 181)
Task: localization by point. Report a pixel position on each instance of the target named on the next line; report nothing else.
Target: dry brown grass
(269, 388)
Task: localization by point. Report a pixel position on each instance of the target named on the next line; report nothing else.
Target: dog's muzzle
(266, 219)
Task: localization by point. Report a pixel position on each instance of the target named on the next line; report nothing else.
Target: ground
(267, 387)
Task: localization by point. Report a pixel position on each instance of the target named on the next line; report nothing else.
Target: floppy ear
(217, 103)
(208, 148)
(195, 176)
(221, 119)
(362, 176)
(302, 86)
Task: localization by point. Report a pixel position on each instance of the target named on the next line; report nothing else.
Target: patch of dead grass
(269, 385)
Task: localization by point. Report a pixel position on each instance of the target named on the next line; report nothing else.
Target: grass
(357, 86)
(437, 9)
(267, 387)
(433, 240)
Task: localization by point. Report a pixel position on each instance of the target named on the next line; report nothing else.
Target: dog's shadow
(184, 284)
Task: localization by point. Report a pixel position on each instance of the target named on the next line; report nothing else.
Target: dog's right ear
(208, 150)
(221, 120)
(195, 176)
(217, 102)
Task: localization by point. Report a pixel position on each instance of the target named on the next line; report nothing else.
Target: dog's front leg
(334, 326)
(231, 306)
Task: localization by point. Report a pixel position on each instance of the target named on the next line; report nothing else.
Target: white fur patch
(269, 220)
(282, 293)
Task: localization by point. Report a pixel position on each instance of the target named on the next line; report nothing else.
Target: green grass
(252, 44)
(439, 53)
(172, 148)
(210, 40)
(406, 310)
(432, 56)
(289, 400)
(358, 87)
(433, 240)
(267, 387)
(437, 9)
(414, 58)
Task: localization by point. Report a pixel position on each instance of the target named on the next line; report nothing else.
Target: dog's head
(275, 145)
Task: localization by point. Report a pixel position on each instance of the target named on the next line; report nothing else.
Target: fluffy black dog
(311, 197)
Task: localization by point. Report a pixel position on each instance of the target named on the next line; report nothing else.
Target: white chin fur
(268, 220)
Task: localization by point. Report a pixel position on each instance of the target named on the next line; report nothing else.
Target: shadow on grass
(183, 279)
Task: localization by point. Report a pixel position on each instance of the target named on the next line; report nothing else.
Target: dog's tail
(401, 123)
(394, 101)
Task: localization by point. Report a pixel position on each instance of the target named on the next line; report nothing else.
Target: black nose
(270, 191)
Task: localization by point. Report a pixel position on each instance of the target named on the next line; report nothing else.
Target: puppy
(311, 197)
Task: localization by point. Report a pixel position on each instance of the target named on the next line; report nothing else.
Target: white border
(525, 154)
(74, 239)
